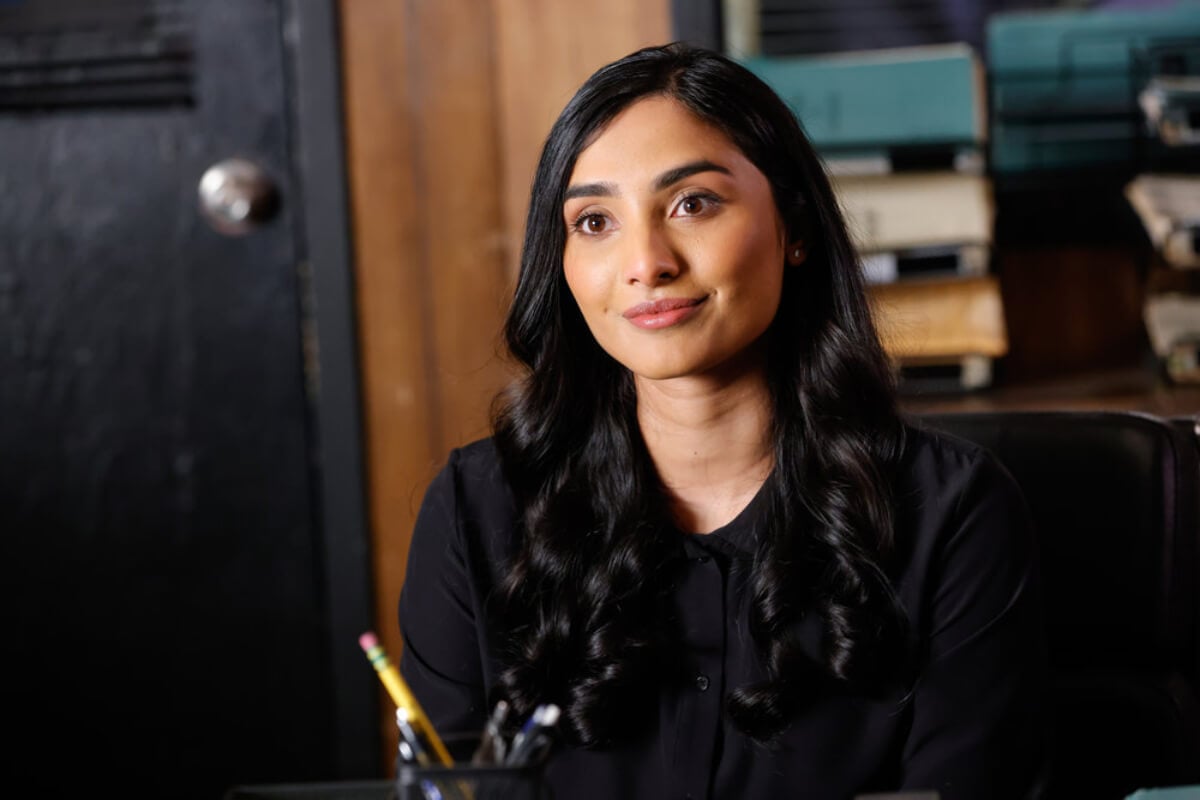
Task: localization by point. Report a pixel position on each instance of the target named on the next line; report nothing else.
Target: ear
(796, 253)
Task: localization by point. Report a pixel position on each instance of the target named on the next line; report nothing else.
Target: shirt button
(702, 682)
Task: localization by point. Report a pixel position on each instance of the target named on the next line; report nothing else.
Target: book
(1171, 104)
(1173, 327)
(854, 104)
(1091, 57)
(1065, 83)
(921, 321)
(1167, 793)
(911, 211)
(926, 262)
(1169, 208)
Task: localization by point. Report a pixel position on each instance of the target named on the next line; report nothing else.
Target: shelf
(1128, 390)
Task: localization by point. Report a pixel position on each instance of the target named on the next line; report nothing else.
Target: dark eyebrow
(673, 176)
(668, 178)
(591, 190)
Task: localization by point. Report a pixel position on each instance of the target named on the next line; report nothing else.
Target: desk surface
(1127, 390)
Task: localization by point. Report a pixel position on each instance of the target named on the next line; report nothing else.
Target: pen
(492, 747)
(414, 749)
(411, 747)
(413, 752)
(534, 737)
(403, 697)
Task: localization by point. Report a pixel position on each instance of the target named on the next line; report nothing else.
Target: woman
(701, 526)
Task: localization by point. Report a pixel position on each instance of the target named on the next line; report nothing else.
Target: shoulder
(971, 592)
(479, 456)
(472, 468)
(940, 465)
(940, 449)
(471, 496)
(956, 500)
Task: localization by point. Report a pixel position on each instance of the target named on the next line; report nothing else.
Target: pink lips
(662, 313)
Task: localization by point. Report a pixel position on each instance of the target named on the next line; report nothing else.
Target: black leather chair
(1115, 497)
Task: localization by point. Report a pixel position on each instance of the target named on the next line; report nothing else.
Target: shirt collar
(738, 538)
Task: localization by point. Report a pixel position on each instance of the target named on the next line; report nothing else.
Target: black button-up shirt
(972, 727)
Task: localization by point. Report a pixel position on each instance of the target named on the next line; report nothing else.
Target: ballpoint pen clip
(410, 739)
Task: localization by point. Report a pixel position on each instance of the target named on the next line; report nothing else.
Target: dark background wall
(173, 607)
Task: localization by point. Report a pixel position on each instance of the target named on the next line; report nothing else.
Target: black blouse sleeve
(979, 720)
(441, 660)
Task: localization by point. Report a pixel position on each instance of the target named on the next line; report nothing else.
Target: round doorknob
(236, 196)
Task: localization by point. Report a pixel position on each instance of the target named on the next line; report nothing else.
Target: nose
(650, 259)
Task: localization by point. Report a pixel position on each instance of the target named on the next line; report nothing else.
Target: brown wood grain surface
(391, 286)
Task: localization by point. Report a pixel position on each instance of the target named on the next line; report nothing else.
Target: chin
(669, 371)
(661, 375)
(728, 369)
(655, 371)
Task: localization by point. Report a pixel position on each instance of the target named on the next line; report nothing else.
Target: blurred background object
(903, 132)
(1075, 102)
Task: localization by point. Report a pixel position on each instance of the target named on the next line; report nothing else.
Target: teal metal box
(1065, 84)
(871, 101)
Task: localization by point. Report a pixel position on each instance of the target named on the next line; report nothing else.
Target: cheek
(589, 270)
(753, 263)
(584, 283)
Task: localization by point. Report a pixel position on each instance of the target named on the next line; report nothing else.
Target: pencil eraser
(367, 640)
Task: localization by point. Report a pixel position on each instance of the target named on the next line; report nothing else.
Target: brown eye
(696, 205)
(592, 223)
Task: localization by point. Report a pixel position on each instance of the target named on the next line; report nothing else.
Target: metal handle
(237, 196)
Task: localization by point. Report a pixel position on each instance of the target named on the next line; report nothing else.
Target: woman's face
(675, 250)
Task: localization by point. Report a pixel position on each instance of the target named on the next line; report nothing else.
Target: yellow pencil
(402, 696)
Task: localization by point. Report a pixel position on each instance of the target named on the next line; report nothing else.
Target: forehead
(652, 134)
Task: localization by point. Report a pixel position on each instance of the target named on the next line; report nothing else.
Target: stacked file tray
(1169, 207)
(903, 133)
(1092, 89)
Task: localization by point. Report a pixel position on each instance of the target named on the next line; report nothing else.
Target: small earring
(797, 253)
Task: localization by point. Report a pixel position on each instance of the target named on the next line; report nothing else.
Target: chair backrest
(1115, 498)
(1189, 427)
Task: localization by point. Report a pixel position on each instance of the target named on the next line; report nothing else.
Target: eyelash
(577, 225)
(706, 197)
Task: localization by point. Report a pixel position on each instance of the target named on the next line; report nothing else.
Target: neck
(709, 440)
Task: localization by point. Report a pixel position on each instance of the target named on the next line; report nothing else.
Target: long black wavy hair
(583, 607)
